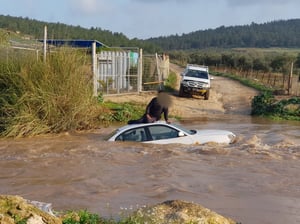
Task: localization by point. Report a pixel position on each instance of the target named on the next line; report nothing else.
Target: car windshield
(191, 132)
(197, 74)
(111, 134)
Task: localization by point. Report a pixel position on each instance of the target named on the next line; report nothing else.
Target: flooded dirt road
(255, 180)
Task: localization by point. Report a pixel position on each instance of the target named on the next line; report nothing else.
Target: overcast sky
(152, 18)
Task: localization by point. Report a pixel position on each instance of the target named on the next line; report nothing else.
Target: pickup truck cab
(195, 80)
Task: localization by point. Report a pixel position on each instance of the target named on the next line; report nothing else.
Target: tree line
(282, 33)
(35, 29)
(200, 47)
(268, 69)
(244, 60)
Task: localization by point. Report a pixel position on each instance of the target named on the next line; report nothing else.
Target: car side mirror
(180, 134)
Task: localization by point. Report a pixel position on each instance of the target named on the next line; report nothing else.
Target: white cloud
(89, 7)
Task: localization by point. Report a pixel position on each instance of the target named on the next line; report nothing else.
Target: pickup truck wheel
(206, 96)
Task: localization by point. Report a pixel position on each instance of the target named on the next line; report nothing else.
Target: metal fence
(117, 72)
(282, 84)
(122, 72)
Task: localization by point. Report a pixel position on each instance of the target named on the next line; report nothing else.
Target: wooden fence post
(140, 71)
(290, 79)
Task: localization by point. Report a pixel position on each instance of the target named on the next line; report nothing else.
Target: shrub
(171, 81)
(81, 217)
(265, 104)
(50, 97)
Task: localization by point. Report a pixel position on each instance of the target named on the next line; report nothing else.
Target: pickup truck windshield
(197, 74)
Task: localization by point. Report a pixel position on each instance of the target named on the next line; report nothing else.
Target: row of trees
(244, 60)
(283, 33)
(256, 68)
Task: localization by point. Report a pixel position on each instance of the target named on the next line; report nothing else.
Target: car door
(133, 135)
(162, 134)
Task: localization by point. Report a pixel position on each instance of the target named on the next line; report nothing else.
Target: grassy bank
(38, 97)
(46, 97)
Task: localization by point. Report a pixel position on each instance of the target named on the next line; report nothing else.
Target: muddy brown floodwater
(255, 180)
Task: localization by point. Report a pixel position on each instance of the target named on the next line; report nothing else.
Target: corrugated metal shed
(74, 43)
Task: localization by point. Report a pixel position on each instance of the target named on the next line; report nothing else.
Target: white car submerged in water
(163, 133)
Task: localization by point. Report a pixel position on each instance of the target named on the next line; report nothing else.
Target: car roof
(197, 67)
(129, 126)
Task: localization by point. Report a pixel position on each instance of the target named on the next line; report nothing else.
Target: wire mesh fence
(121, 72)
(281, 83)
(117, 72)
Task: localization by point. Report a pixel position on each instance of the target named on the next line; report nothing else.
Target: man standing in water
(158, 105)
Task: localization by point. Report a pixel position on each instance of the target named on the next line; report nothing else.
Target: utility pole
(45, 43)
(94, 68)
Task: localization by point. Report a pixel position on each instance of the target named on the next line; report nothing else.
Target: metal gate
(117, 72)
(121, 72)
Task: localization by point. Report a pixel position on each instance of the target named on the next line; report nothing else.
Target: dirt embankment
(226, 97)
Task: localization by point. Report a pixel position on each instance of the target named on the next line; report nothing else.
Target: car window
(197, 74)
(135, 135)
(162, 132)
(191, 132)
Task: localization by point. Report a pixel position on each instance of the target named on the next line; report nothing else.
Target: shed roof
(74, 43)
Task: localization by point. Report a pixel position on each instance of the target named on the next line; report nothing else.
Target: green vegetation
(34, 29)
(82, 217)
(160, 213)
(266, 105)
(85, 217)
(38, 98)
(264, 69)
(170, 82)
(280, 34)
(272, 34)
(3, 38)
(122, 112)
(242, 60)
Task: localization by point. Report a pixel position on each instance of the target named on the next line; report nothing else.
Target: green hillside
(35, 30)
(281, 34)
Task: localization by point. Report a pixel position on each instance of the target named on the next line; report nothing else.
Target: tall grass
(39, 97)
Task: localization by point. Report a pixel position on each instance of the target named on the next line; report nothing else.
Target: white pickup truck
(195, 80)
